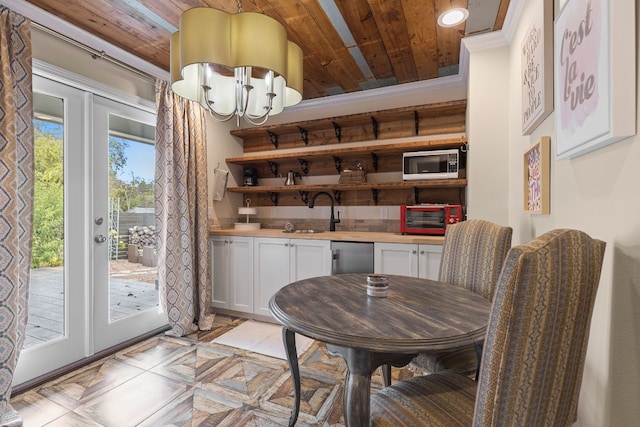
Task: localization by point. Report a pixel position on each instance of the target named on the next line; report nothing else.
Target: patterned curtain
(181, 212)
(16, 196)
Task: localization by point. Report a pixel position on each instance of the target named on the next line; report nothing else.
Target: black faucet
(332, 221)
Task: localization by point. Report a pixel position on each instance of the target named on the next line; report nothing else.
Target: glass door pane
(46, 320)
(56, 325)
(133, 272)
(126, 302)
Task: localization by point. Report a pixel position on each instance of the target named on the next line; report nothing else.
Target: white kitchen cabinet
(407, 259)
(231, 260)
(278, 262)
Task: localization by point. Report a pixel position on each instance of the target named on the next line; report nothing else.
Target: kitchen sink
(303, 231)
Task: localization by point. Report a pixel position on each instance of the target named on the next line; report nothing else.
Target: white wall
(596, 193)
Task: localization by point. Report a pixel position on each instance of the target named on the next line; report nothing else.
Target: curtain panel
(16, 196)
(181, 212)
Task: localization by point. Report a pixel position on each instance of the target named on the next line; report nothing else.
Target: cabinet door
(309, 258)
(429, 257)
(270, 270)
(396, 258)
(219, 265)
(241, 274)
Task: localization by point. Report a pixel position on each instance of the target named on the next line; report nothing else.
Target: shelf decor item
(536, 177)
(247, 210)
(353, 176)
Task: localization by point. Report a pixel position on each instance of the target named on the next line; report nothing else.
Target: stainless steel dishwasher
(351, 257)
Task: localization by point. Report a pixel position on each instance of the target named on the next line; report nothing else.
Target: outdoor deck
(129, 295)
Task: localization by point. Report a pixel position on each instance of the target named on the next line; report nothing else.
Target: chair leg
(385, 370)
(478, 348)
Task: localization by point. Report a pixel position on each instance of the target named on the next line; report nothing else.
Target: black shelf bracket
(374, 161)
(376, 127)
(416, 195)
(304, 196)
(374, 194)
(304, 135)
(338, 130)
(304, 165)
(274, 138)
(274, 167)
(416, 122)
(337, 195)
(274, 198)
(338, 162)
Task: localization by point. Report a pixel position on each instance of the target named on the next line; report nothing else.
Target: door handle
(100, 238)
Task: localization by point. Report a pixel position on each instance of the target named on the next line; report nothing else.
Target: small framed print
(536, 177)
(537, 68)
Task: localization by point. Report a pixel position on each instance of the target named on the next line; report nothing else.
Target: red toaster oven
(428, 218)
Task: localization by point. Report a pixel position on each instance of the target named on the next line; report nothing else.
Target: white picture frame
(537, 68)
(594, 74)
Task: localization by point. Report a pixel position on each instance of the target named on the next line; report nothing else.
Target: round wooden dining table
(417, 316)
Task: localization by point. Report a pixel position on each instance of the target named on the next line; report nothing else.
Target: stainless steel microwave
(433, 164)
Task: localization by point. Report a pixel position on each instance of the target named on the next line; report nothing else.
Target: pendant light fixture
(235, 65)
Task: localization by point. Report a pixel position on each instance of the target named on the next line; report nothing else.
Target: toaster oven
(428, 218)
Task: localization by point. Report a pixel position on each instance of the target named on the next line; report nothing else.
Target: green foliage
(48, 214)
(135, 193)
(48, 221)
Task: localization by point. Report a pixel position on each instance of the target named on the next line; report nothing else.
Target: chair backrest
(538, 330)
(473, 253)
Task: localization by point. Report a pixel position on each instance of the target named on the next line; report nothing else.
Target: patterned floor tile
(241, 378)
(37, 410)
(94, 380)
(155, 351)
(132, 402)
(189, 381)
(191, 366)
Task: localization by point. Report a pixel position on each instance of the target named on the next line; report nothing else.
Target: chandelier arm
(264, 116)
(209, 107)
(250, 119)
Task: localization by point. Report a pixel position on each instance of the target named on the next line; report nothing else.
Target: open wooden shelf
(436, 183)
(326, 147)
(337, 151)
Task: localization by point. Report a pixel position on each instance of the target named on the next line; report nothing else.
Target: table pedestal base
(361, 364)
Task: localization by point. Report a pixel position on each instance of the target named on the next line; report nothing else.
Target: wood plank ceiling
(384, 42)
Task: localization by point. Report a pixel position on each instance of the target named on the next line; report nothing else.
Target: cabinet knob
(421, 252)
(414, 252)
(286, 244)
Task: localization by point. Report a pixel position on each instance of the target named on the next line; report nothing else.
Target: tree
(48, 209)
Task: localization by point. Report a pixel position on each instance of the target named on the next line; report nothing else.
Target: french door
(91, 288)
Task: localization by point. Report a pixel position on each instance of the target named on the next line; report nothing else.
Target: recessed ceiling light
(453, 17)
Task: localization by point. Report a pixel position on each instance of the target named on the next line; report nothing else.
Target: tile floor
(189, 381)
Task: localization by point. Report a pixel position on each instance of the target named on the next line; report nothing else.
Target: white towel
(220, 177)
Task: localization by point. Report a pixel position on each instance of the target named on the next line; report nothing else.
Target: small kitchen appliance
(432, 164)
(250, 177)
(428, 218)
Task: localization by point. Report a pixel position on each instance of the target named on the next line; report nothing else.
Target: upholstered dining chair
(472, 257)
(534, 349)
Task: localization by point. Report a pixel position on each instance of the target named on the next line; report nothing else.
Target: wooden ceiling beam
(392, 25)
(362, 25)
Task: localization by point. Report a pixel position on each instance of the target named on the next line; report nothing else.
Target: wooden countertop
(353, 236)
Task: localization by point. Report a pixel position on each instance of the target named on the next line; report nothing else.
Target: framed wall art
(536, 177)
(537, 68)
(595, 77)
